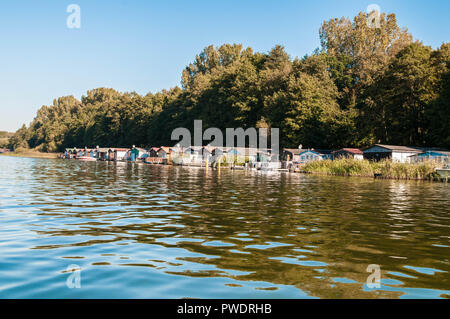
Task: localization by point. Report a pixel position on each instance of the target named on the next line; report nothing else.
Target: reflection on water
(142, 231)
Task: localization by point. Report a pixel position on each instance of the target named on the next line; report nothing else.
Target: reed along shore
(383, 169)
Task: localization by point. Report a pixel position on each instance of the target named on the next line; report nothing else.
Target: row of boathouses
(238, 155)
(173, 155)
(376, 152)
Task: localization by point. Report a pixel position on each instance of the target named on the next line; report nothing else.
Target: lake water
(140, 231)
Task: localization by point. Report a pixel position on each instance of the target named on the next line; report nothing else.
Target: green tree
(397, 101)
(366, 85)
(438, 113)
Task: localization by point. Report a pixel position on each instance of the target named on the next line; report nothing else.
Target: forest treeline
(363, 86)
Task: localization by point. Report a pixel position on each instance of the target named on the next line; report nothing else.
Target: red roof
(165, 149)
(353, 150)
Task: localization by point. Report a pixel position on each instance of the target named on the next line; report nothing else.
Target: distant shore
(341, 167)
(31, 154)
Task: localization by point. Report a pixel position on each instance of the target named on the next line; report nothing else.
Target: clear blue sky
(143, 46)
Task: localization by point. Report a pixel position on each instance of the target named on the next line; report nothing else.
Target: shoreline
(41, 155)
(31, 155)
(433, 178)
(428, 179)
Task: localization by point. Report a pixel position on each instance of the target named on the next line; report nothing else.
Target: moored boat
(444, 172)
(271, 167)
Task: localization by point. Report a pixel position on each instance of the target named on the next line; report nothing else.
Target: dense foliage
(4, 139)
(365, 85)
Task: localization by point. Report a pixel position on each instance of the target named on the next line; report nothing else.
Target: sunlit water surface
(139, 231)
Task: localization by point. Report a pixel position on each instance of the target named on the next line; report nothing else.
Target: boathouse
(433, 155)
(164, 152)
(120, 154)
(195, 153)
(103, 153)
(354, 153)
(153, 152)
(206, 152)
(244, 154)
(326, 154)
(88, 152)
(141, 153)
(263, 156)
(155, 155)
(193, 150)
(70, 153)
(217, 151)
(291, 155)
(309, 156)
(395, 153)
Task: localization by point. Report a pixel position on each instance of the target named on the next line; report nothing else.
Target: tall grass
(364, 168)
(422, 170)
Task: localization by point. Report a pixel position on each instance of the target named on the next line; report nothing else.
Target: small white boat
(444, 172)
(270, 167)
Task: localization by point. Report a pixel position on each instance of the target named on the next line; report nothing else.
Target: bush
(342, 167)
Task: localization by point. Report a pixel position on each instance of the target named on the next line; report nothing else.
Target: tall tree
(369, 46)
(398, 99)
(438, 113)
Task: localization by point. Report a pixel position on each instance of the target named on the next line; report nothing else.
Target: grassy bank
(30, 153)
(364, 168)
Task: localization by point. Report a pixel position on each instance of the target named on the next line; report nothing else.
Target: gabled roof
(310, 151)
(434, 153)
(165, 149)
(397, 148)
(350, 150)
(209, 148)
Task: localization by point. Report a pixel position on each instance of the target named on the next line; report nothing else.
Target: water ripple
(140, 231)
